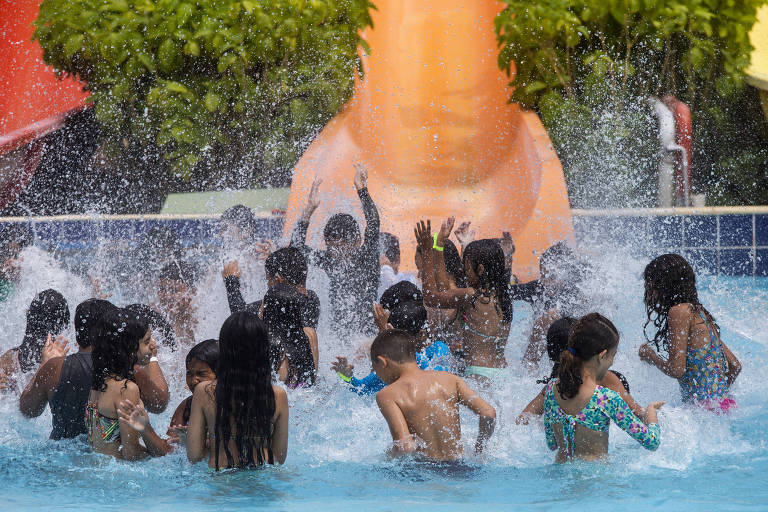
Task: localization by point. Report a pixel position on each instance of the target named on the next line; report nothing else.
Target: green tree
(209, 83)
(588, 65)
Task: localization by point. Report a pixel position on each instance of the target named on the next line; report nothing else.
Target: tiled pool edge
(719, 240)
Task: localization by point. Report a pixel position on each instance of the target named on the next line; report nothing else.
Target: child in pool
(577, 410)
(243, 414)
(484, 307)
(115, 416)
(422, 407)
(557, 341)
(696, 356)
(201, 364)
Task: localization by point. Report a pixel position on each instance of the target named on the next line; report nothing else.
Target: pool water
(337, 441)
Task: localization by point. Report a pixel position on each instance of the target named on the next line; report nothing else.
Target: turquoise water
(337, 442)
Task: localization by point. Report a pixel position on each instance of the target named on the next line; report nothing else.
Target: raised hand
(313, 201)
(646, 353)
(177, 434)
(423, 233)
(133, 415)
(464, 235)
(445, 231)
(264, 249)
(380, 317)
(54, 348)
(361, 176)
(96, 287)
(340, 365)
(231, 268)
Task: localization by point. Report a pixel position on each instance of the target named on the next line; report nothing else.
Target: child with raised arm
(352, 266)
(422, 407)
(696, 356)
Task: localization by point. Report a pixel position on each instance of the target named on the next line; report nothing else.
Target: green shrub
(223, 81)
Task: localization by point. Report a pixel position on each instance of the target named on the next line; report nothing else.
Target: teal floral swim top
(604, 406)
(705, 371)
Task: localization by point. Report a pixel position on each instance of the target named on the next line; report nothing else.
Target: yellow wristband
(434, 243)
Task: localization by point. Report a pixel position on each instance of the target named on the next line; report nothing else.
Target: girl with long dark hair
(242, 412)
(696, 356)
(291, 352)
(577, 410)
(484, 307)
(115, 416)
(47, 317)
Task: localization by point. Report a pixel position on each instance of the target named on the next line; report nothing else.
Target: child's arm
(611, 381)
(313, 345)
(177, 419)
(197, 428)
(734, 366)
(398, 427)
(371, 213)
(648, 435)
(433, 297)
(34, 398)
(280, 433)
(534, 408)
(135, 417)
(153, 387)
(537, 341)
(441, 274)
(678, 324)
(487, 413)
(299, 234)
(231, 275)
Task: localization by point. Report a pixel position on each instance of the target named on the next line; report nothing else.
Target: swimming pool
(337, 440)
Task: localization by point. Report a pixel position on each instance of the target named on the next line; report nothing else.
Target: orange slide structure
(432, 124)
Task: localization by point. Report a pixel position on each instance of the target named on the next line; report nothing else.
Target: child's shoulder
(682, 310)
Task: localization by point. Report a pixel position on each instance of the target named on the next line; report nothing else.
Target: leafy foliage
(215, 80)
(580, 62)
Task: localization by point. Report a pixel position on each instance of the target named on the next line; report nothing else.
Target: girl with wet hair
(577, 430)
(242, 412)
(695, 355)
(201, 363)
(484, 307)
(291, 352)
(115, 416)
(47, 317)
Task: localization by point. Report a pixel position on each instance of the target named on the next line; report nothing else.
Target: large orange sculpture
(431, 122)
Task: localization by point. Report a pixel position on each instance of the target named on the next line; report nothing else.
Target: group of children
(425, 342)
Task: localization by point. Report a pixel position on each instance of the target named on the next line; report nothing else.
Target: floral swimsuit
(604, 406)
(704, 381)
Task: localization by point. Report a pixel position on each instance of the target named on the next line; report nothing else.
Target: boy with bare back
(422, 407)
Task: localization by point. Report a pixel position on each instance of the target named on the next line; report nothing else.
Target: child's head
(342, 235)
(411, 317)
(593, 340)
(120, 341)
(47, 314)
(177, 282)
(286, 265)
(486, 271)
(389, 351)
(161, 328)
(398, 293)
(87, 315)
(201, 363)
(389, 248)
(283, 305)
(238, 224)
(245, 401)
(669, 281)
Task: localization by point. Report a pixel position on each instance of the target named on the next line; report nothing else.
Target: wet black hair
(410, 317)
(669, 281)
(242, 217)
(398, 293)
(48, 313)
(245, 400)
(157, 322)
(115, 344)
(283, 306)
(453, 263)
(206, 352)
(289, 263)
(590, 335)
(342, 227)
(20, 235)
(557, 341)
(180, 271)
(394, 344)
(495, 277)
(87, 315)
(389, 246)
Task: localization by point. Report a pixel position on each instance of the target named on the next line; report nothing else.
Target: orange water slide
(431, 122)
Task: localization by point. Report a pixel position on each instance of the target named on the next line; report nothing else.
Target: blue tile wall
(666, 231)
(700, 231)
(761, 262)
(761, 230)
(702, 260)
(736, 262)
(735, 230)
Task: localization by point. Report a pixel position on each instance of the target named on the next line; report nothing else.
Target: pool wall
(730, 241)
